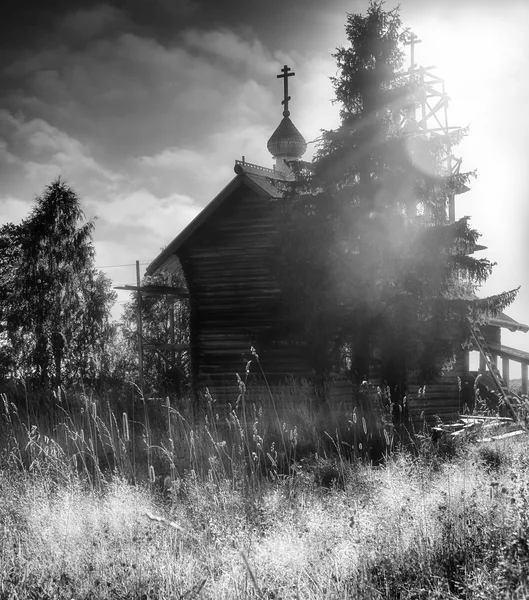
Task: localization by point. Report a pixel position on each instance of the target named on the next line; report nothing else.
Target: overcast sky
(143, 106)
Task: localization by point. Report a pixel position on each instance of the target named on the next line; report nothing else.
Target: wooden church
(223, 255)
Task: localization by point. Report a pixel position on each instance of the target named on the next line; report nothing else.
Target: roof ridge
(241, 167)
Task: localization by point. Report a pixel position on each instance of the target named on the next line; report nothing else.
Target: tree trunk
(57, 349)
(40, 356)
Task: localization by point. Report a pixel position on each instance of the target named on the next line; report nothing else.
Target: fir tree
(370, 267)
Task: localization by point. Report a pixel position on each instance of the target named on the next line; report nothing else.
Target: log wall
(234, 298)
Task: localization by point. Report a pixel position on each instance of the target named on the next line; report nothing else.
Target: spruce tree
(370, 267)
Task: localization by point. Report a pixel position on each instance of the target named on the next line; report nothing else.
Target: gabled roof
(257, 178)
(503, 320)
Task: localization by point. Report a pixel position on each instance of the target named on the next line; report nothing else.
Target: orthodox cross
(411, 42)
(285, 75)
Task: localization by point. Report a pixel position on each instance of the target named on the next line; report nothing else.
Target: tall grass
(266, 498)
(263, 434)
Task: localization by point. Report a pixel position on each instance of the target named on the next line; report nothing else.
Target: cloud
(133, 95)
(182, 170)
(83, 24)
(40, 152)
(6, 157)
(173, 157)
(158, 218)
(12, 210)
(239, 53)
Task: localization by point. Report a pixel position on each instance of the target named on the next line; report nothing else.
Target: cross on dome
(284, 75)
(411, 41)
(286, 143)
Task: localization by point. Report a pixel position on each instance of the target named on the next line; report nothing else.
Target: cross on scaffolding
(285, 75)
(411, 43)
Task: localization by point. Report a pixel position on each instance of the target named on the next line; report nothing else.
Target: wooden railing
(507, 354)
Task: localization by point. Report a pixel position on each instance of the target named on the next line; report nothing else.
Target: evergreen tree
(55, 304)
(372, 271)
(9, 256)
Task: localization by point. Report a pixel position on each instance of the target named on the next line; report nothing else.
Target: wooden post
(171, 302)
(466, 361)
(505, 370)
(524, 378)
(482, 363)
(139, 327)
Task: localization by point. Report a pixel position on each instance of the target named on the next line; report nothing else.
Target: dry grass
(250, 515)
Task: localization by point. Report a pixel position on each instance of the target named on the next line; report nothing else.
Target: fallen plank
(465, 429)
(503, 436)
(474, 418)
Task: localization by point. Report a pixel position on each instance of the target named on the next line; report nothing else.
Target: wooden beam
(524, 378)
(512, 353)
(175, 347)
(139, 326)
(505, 370)
(155, 290)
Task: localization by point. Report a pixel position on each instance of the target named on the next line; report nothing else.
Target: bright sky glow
(484, 67)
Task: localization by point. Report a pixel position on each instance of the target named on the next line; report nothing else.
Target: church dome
(287, 141)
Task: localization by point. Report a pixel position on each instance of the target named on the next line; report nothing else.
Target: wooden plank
(503, 436)
(472, 419)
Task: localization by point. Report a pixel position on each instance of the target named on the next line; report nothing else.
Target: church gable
(232, 292)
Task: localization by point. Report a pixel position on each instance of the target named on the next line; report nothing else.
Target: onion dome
(287, 141)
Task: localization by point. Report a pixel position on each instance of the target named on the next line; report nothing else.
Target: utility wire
(111, 266)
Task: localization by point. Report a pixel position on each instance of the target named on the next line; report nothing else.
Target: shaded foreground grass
(419, 525)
